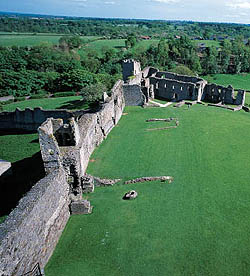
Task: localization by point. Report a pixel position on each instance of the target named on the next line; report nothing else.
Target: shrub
(8, 102)
(93, 93)
(64, 94)
(183, 70)
(19, 99)
(38, 96)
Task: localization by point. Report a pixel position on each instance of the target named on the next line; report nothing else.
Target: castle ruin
(140, 86)
(67, 139)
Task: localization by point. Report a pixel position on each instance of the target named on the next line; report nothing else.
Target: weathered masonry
(32, 230)
(150, 82)
(67, 139)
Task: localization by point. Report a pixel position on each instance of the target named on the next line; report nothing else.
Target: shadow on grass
(119, 47)
(80, 105)
(72, 105)
(15, 184)
(35, 141)
(14, 131)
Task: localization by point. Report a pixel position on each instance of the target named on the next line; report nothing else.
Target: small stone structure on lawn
(130, 195)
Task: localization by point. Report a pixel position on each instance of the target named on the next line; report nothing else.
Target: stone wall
(5, 167)
(173, 76)
(150, 82)
(130, 68)
(174, 90)
(30, 119)
(216, 93)
(31, 231)
(91, 129)
(133, 94)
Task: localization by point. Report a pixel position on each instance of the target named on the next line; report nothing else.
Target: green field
(238, 81)
(197, 225)
(15, 39)
(71, 103)
(117, 44)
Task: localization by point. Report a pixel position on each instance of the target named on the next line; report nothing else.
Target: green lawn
(22, 150)
(238, 81)
(71, 103)
(197, 225)
(29, 39)
(15, 147)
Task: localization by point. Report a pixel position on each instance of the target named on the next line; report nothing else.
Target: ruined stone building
(150, 82)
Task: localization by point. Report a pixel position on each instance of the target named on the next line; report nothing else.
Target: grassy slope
(239, 81)
(198, 225)
(71, 103)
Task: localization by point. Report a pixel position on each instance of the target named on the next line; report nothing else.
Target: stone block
(5, 167)
(80, 207)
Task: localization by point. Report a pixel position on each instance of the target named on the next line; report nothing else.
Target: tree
(209, 63)
(162, 55)
(75, 80)
(70, 42)
(131, 41)
(183, 70)
(93, 93)
(225, 55)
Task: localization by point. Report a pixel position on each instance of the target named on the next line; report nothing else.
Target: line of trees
(120, 27)
(230, 57)
(41, 69)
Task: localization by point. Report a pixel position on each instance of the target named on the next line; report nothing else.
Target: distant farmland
(25, 39)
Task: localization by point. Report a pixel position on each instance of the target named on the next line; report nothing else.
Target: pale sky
(237, 11)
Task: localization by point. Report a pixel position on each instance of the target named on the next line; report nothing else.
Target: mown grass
(197, 225)
(22, 150)
(17, 146)
(238, 81)
(71, 103)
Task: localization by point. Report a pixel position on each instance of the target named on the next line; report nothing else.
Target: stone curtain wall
(31, 231)
(94, 128)
(30, 119)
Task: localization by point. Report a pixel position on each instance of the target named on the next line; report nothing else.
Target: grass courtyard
(197, 225)
(71, 103)
(23, 151)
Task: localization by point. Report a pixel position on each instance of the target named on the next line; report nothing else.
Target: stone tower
(130, 68)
